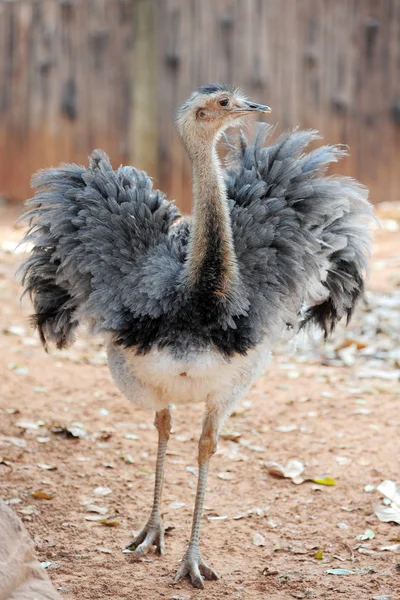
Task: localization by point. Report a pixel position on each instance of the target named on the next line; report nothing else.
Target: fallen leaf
(17, 442)
(226, 476)
(269, 571)
(131, 436)
(339, 572)
(128, 459)
(75, 430)
(275, 468)
(319, 555)
(22, 424)
(28, 510)
(273, 524)
(176, 505)
(363, 550)
(231, 436)
(387, 514)
(350, 342)
(286, 428)
(390, 512)
(258, 539)
(109, 522)
(388, 488)
(101, 510)
(294, 468)
(367, 535)
(255, 448)
(42, 495)
(192, 470)
(292, 471)
(102, 491)
(392, 548)
(324, 481)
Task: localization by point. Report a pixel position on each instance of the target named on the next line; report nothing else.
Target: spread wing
(96, 232)
(302, 238)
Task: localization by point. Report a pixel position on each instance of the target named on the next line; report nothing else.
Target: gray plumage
(106, 250)
(191, 307)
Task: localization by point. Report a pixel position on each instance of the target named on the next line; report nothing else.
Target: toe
(196, 578)
(136, 541)
(160, 543)
(182, 572)
(207, 572)
(141, 550)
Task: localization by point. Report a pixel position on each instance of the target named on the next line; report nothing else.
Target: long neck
(211, 262)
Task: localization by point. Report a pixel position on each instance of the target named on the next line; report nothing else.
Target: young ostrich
(190, 307)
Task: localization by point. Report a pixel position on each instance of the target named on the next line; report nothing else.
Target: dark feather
(107, 251)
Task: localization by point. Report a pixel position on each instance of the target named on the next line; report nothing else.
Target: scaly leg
(152, 533)
(192, 563)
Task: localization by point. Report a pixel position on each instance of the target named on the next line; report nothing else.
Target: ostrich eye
(202, 114)
(224, 102)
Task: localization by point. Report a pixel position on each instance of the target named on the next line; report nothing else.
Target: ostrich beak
(249, 107)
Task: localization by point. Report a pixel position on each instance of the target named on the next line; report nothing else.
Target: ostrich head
(209, 111)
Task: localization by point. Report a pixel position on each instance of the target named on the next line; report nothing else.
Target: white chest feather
(157, 379)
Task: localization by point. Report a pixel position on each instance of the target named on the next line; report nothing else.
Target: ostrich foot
(152, 534)
(194, 567)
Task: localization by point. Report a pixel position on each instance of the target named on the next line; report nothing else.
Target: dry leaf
(390, 512)
(109, 522)
(176, 505)
(388, 488)
(231, 436)
(23, 424)
(128, 459)
(258, 539)
(286, 428)
(131, 436)
(28, 510)
(101, 510)
(392, 548)
(340, 572)
(102, 491)
(387, 514)
(226, 476)
(17, 442)
(324, 481)
(292, 471)
(367, 535)
(42, 495)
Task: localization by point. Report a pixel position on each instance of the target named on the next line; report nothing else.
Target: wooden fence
(78, 74)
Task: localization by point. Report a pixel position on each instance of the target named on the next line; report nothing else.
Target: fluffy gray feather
(108, 250)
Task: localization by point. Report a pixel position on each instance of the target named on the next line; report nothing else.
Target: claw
(193, 566)
(152, 534)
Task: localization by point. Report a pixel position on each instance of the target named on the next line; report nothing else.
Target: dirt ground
(334, 408)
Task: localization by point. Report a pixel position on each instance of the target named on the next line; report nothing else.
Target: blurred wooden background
(79, 74)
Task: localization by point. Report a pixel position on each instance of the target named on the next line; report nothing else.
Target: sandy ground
(335, 409)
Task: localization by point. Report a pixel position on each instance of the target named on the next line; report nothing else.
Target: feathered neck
(211, 266)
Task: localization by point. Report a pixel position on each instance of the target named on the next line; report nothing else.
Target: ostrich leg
(192, 563)
(152, 533)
